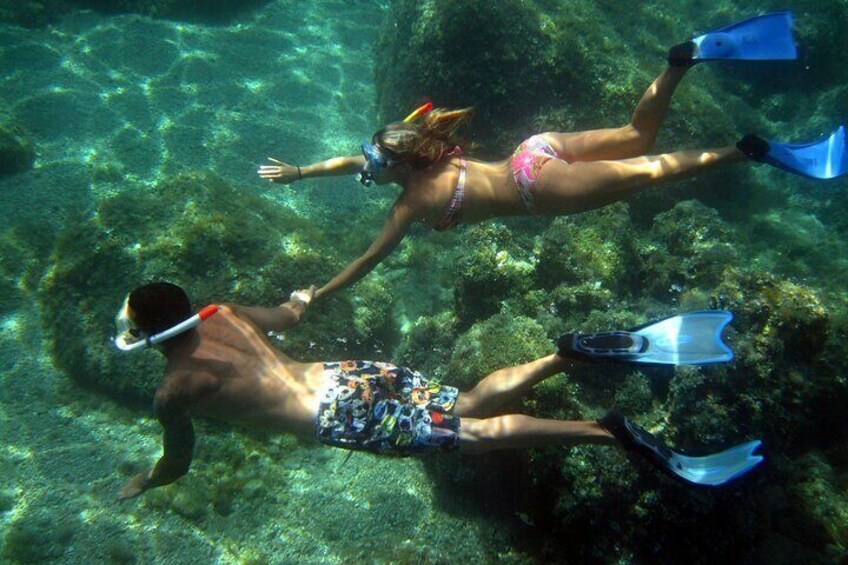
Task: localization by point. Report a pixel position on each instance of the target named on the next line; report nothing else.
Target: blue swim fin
(708, 470)
(761, 38)
(693, 338)
(823, 159)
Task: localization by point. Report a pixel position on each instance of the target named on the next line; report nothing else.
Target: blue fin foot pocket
(682, 54)
(754, 146)
(692, 338)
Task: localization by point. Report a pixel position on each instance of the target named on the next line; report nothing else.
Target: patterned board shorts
(385, 409)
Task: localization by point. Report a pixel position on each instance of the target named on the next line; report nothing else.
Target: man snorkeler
(221, 365)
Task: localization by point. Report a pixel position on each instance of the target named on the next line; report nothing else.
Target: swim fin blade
(718, 468)
(761, 38)
(823, 159)
(693, 338)
(708, 470)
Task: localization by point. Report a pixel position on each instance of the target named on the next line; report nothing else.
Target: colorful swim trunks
(385, 409)
(527, 162)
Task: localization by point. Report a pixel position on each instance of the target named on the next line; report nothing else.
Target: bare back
(245, 380)
(489, 191)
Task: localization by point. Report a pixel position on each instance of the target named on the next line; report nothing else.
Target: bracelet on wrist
(299, 174)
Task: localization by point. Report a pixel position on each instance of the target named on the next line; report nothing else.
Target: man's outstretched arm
(284, 316)
(178, 444)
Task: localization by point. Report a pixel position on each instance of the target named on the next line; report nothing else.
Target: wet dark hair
(158, 306)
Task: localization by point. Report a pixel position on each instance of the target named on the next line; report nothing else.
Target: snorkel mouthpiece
(365, 178)
(130, 337)
(375, 161)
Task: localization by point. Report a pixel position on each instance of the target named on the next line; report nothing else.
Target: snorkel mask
(375, 161)
(130, 337)
(376, 158)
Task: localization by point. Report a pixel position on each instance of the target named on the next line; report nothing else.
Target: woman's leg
(517, 431)
(562, 189)
(507, 384)
(634, 139)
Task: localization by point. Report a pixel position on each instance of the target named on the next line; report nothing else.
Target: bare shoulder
(231, 310)
(184, 386)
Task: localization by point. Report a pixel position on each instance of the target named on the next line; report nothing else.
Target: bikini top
(451, 216)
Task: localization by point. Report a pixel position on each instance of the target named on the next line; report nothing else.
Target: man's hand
(304, 295)
(280, 172)
(133, 487)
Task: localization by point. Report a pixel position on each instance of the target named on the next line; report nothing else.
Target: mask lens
(375, 160)
(127, 331)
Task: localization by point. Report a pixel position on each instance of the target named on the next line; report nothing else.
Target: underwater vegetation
(454, 306)
(197, 230)
(37, 14)
(566, 67)
(16, 152)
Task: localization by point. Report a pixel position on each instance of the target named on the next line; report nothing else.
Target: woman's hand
(280, 172)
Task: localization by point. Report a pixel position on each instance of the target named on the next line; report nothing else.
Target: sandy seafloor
(293, 80)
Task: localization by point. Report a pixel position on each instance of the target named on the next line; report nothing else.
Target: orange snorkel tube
(418, 112)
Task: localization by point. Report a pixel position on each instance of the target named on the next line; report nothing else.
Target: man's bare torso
(233, 373)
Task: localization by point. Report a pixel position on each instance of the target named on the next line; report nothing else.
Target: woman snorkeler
(549, 174)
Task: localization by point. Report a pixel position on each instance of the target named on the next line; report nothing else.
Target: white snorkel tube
(130, 338)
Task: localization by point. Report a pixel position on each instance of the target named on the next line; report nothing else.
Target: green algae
(516, 288)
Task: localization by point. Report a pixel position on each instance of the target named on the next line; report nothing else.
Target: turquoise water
(147, 132)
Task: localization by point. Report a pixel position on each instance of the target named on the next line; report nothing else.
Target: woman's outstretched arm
(284, 173)
(395, 228)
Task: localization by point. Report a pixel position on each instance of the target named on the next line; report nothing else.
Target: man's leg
(518, 431)
(634, 139)
(507, 384)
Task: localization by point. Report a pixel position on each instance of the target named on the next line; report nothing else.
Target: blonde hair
(422, 144)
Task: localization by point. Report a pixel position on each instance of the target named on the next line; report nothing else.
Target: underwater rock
(501, 341)
(688, 246)
(447, 51)
(791, 320)
(205, 11)
(44, 12)
(576, 301)
(16, 153)
(7, 500)
(38, 538)
(594, 248)
(427, 346)
(24, 254)
(373, 320)
(191, 503)
(533, 66)
(32, 14)
(634, 395)
(781, 386)
(195, 230)
(492, 266)
(819, 503)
